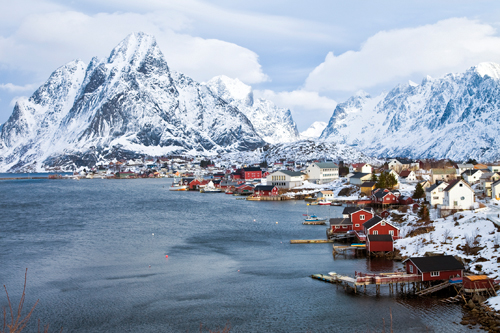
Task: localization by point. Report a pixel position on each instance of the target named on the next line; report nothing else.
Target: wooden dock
(314, 223)
(311, 241)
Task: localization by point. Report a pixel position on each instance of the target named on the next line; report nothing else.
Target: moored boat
(324, 202)
(313, 219)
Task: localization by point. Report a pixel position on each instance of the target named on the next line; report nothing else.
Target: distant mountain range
(132, 104)
(456, 116)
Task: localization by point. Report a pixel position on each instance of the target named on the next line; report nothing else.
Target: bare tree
(446, 235)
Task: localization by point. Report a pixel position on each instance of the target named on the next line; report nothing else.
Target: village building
(464, 167)
(368, 187)
(379, 243)
(379, 226)
(245, 189)
(444, 175)
(322, 172)
(358, 216)
(285, 179)
(494, 168)
(472, 176)
(360, 167)
(384, 197)
(434, 268)
(251, 173)
(434, 195)
(325, 195)
(480, 166)
(266, 190)
(495, 190)
(340, 225)
(425, 184)
(407, 176)
(398, 164)
(359, 178)
(458, 195)
(478, 283)
(486, 180)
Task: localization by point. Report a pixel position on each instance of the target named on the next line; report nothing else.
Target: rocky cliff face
(122, 106)
(272, 123)
(456, 116)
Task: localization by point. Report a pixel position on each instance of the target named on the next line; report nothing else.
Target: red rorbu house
(379, 243)
(384, 197)
(379, 226)
(266, 190)
(245, 189)
(477, 283)
(340, 225)
(251, 173)
(358, 216)
(434, 268)
(405, 200)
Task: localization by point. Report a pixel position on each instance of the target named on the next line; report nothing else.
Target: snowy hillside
(122, 106)
(273, 124)
(314, 131)
(456, 116)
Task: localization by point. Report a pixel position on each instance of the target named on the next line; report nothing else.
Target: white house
(327, 195)
(472, 176)
(495, 190)
(395, 174)
(407, 176)
(435, 193)
(360, 167)
(458, 195)
(486, 180)
(359, 178)
(399, 164)
(285, 179)
(463, 167)
(322, 173)
(494, 168)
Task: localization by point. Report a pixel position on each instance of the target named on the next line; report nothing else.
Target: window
(391, 232)
(344, 227)
(440, 190)
(411, 268)
(434, 274)
(361, 217)
(382, 223)
(375, 232)
(356, 225)
(462, 198)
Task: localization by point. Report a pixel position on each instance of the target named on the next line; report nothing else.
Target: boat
(336, 203)
(253, 198)
(324, 202)
(313, 219)
(177, 186)
(210, 188)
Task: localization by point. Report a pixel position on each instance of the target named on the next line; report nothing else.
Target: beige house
(486, 180)
(445, 175)
(495, 190)
(327, 195)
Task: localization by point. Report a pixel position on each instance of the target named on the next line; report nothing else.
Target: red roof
(405, 173)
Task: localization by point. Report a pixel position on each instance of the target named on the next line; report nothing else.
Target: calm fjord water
(96, 266)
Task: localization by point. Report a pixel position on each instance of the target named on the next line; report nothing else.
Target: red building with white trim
(379, 243)
(379, 226)
(434, 268)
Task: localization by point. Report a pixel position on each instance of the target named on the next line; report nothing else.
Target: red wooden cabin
(266, 190)
(251, 173)
(405, 200)
(384, 197)
(379, 243)
(340, 225)
(434, 268)
(475, 283)
(379, 226)
(358, 216)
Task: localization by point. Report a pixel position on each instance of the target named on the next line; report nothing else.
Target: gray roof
(379, 238)
(340, 221)
(431, 188)
(371, 222)
(324, 165)
(359, 175)
(291, 173)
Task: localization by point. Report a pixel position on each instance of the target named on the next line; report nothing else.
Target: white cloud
(12, 88)
(451, 45)
(306, 106)
(45, 41)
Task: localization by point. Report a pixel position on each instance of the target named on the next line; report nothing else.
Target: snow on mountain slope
(127, 104)
(456, 116)
(314, 131)
(273, 124)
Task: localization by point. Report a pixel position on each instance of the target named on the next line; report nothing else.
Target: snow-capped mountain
(314, 131)
(456, 116)
(272, 123)
(125, 105)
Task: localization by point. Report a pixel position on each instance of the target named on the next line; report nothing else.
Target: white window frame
(391, 232)
(362, 217)
(375, 232)
(435, 274)
(411, 268)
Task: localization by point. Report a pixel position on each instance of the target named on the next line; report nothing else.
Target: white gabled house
(322, 173)
(435, 193)
(327, 195)
(407, 176)
(495, 190)
(360, 167)
(472, 176)
(458, 195)
(464, 167)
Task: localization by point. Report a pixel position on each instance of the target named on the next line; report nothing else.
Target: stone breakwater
(478, 313)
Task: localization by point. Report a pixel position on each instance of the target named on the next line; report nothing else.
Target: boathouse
(384, 197)
(379, 226)
(266, 190)
(340, 225)
(251, 173)
(434, 268)
(379, 243)
(478, 283)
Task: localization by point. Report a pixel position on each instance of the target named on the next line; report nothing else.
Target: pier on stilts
(342, 249)
(397, 282)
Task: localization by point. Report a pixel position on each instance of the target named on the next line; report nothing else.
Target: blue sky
(303, 55)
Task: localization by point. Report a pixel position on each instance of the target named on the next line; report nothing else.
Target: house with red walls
(340, 225)
(384, 197)
(435, 268)
(379, 243)
(379, 226)
(266, 190)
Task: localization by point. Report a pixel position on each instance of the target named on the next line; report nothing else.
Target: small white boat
(178, 186)
(210, 188)
(324, 202)
(314, 218)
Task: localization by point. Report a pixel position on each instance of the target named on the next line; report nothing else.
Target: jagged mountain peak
(490, 69)
(231, 89)
(134, 49)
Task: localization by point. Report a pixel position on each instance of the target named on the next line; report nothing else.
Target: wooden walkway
(433, 289)
(310, 241)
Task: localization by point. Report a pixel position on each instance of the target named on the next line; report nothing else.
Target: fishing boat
(177, 186)
(336, 203)
(324, 202)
